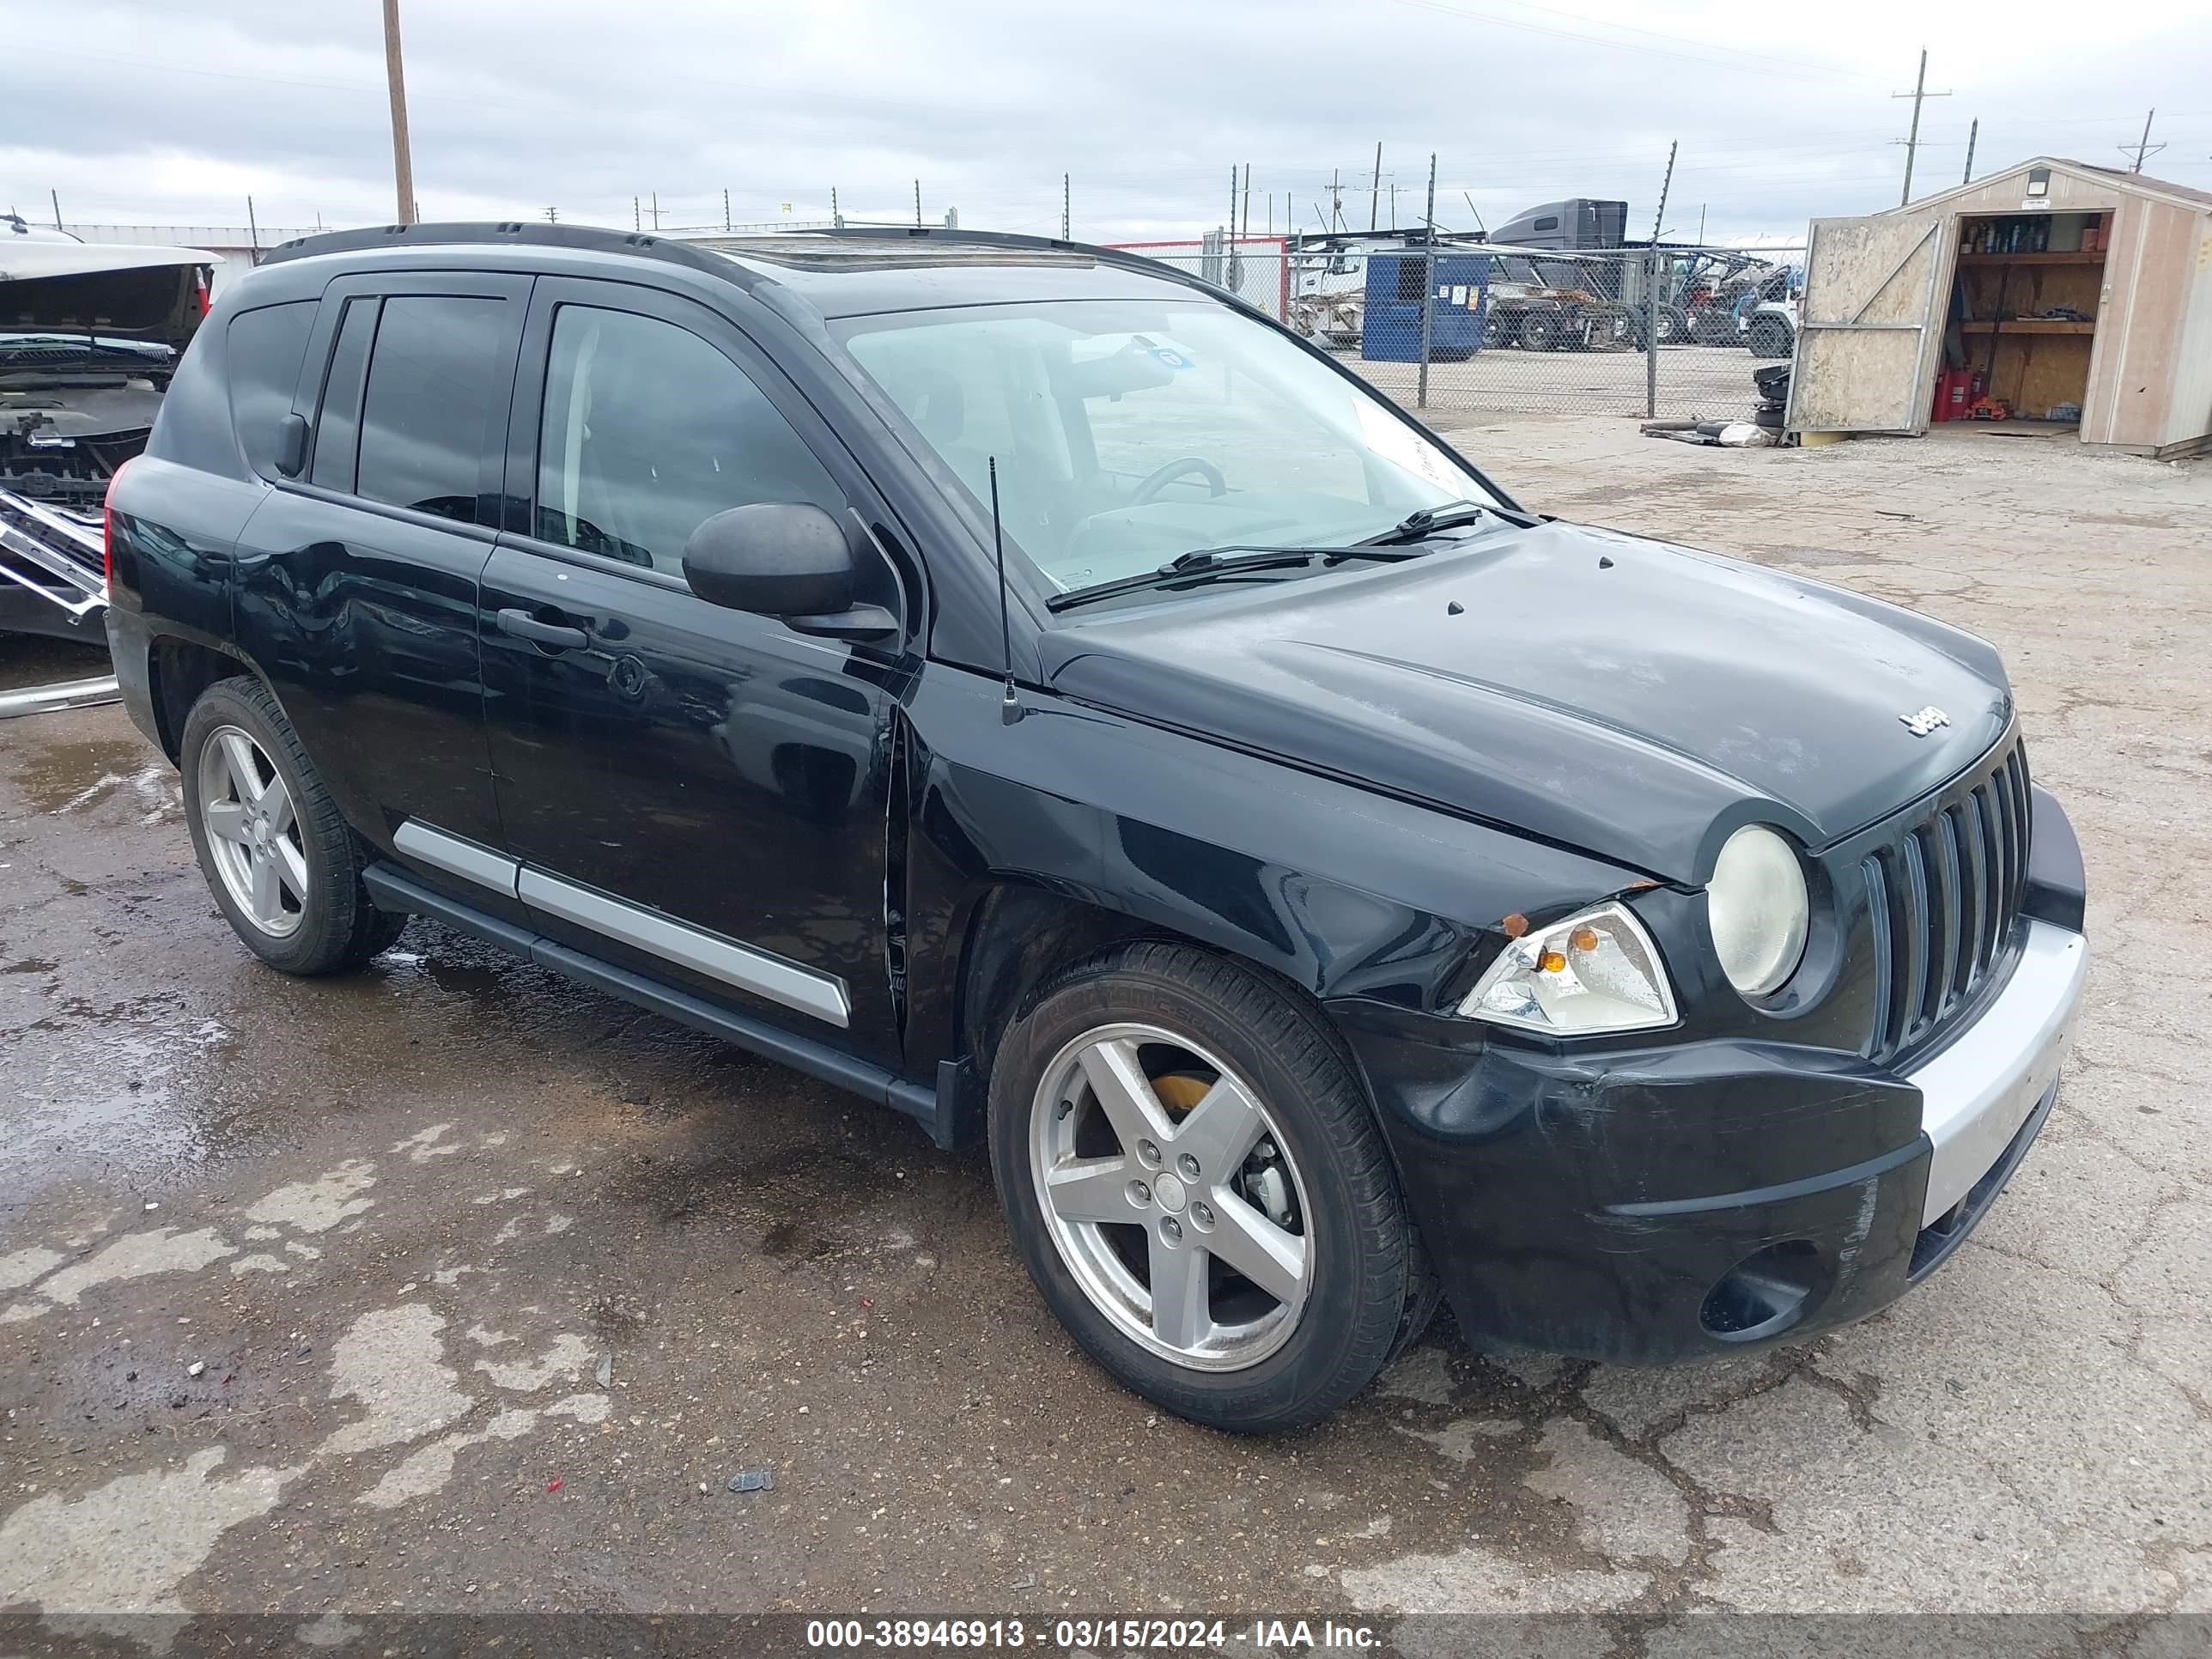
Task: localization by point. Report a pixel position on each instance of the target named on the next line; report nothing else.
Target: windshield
(1129, 433)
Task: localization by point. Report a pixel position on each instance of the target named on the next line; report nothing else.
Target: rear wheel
(1195, 1182)
(284, 869)
(1541, 330)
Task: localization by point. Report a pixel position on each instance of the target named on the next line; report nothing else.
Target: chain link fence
(1670, 332)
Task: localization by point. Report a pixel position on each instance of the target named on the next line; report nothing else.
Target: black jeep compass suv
(1029, 688)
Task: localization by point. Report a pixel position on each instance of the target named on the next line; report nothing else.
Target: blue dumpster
(1390, 325)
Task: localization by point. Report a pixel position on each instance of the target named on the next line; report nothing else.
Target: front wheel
(1197, 1185)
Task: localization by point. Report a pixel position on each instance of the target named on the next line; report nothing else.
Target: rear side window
(265, 348)
(648, 432)
(337, 427)
(431, 379)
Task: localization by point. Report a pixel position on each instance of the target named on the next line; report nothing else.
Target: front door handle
(556, 636)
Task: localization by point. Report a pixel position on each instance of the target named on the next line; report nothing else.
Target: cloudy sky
(173, 112)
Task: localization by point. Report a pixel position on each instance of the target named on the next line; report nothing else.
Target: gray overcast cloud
(158, 112)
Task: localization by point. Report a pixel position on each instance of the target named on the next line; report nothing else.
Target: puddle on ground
(71, 777)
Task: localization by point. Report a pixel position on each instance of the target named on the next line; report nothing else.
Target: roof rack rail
(520, 231)
(697, 255)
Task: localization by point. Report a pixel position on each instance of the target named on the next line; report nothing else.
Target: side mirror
(789, 560)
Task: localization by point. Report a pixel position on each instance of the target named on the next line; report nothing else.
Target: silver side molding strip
(702, 953)
(823, 995)
(456, 857)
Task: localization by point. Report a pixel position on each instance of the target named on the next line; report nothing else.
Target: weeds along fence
(1663, 333)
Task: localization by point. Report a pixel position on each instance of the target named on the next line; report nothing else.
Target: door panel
(1866, 324)
(364, 612)
(695, 793)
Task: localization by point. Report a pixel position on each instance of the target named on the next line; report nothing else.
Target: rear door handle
(558, 637)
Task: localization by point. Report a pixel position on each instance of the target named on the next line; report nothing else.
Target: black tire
(1370, 1290)
(1496, 331)
(1770, 339)
(1674, 326)
(338, 927)
(1540, 331)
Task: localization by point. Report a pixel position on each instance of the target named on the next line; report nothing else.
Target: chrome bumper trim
(1979, 1090)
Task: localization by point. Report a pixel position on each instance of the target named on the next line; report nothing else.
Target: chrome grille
(1943, 894)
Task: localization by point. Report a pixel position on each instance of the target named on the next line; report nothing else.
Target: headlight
(1597, 971)
(1759, 910)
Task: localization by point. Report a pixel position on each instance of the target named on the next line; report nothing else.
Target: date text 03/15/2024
(1167, 1635)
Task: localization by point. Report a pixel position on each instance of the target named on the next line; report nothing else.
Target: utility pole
(552, 216)
(1247, 231)
(636, 216)
(1913, 141)
(1665, 184)
(837, 218)
(403, 161)
(917, 203)
(656, 210)
(2144, 147)
(1335, 200)
(1428, 286)
(1973, 132)
(726, 207)
(1229, 225)
(1066, 203)
(1375, 191)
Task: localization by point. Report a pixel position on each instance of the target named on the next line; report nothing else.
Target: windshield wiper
(1427, 520)
(1206, 564)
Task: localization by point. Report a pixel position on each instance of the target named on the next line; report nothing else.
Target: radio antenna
(1009, 707)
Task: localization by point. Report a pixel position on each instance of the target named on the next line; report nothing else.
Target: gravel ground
(450, 1286)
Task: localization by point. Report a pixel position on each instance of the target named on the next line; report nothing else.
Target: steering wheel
(1154, 483)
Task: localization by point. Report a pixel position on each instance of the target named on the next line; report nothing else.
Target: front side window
(648, 431)
(1129, 433)
(432, 378)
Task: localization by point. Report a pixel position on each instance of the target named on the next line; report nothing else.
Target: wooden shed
(2052, 296)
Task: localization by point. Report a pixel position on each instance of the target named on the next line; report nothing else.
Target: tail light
(107, 525)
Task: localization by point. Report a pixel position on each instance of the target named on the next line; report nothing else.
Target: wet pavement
(450, 1286)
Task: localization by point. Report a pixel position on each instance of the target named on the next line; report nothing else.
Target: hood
(117, 293)
(1624, 697)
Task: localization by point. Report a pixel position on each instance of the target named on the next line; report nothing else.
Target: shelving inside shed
(2022, 320)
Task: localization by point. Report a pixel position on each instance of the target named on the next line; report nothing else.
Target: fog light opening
(1766, 1292)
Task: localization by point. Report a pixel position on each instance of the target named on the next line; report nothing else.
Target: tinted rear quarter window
(431, 379)
(265, 347)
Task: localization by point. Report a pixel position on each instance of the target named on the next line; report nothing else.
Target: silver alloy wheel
(1153, 1211)
(252, 831)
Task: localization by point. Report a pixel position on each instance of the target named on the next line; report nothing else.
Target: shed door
(1869, 321)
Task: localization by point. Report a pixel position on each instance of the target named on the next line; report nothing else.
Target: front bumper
(1663, 1204)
